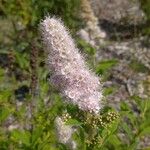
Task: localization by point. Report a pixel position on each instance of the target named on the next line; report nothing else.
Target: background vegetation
(30, 104)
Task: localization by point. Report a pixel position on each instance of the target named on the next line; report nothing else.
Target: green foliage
(104, 66)
(26, 120)
(145, 5)
(109, 90)
(87, 48)
(137, 66)
(89, 51)
(93, 132)
(29, 13)
(4, 113)
(135, 125)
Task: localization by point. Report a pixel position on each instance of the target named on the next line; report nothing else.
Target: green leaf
(127, 129)
(86, 47)
(144, 124)
(113, 126)
(134, 144)
(124, 107)
(137, 66)
(82, 134)
(37, 132)
(147, 148)
(22, 136)
(79, 137)
(109, 90)
(4, 113)
(2, 72)
(105, 65)
(62, 146)
(48, 147)
(114, 140)
(22, 60)
(148, 104)
(73, 122)
(104, 133)
(145, 131)
(5, 95)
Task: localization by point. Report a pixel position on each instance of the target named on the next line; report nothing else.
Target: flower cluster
(65, 116)
(64, 133)
(98, 121)
(111, 116)
(69, 72)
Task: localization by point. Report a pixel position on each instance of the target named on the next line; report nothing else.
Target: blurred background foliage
(29, 12)
(19, 66)
(19, 39)
(145, 5)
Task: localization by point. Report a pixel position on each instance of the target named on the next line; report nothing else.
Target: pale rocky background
(119, 40)
(119, 22)
(118, 10)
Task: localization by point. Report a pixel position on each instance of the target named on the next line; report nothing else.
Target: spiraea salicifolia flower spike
(69, 71)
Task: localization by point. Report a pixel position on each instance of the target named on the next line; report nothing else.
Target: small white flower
(64, 133)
